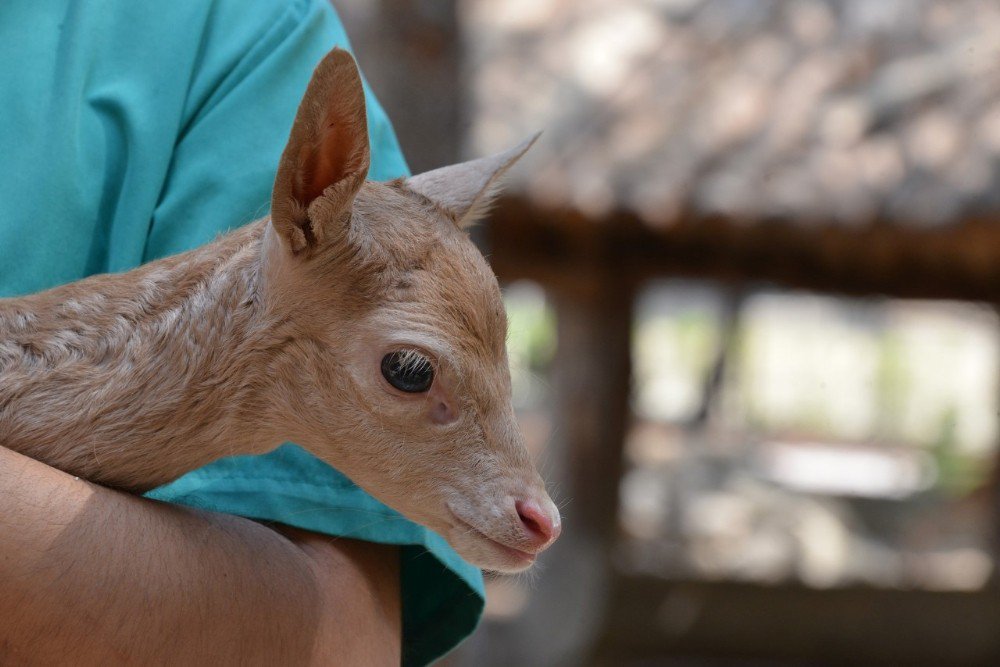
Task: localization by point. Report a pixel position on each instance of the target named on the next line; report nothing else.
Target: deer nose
(540, 525)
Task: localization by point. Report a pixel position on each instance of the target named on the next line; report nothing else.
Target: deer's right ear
(326, 159)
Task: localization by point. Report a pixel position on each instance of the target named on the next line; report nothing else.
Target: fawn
(357, 320)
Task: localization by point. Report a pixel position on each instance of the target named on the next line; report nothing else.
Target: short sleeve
(255, 60)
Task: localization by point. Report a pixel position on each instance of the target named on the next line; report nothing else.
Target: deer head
(393, 363)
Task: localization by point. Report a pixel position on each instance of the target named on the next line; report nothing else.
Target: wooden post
(992, 492)
(409, 52)
(591, 382)
(591, 387)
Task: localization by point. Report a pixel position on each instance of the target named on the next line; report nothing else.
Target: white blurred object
(846, 470)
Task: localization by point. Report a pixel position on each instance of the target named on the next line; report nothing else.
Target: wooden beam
(955, 262)
(717, 621)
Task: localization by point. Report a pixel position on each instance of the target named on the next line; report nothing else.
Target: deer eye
(408, 370)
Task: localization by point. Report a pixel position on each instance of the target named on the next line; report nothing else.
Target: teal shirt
(134, 130)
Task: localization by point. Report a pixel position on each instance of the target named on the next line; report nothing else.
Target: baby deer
(358, 320)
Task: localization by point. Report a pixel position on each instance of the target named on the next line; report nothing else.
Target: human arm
(93, 575)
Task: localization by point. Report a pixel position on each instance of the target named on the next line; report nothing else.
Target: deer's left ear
(326, 159)
(466, 190)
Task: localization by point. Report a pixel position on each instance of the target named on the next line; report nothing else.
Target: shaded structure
(839, 146)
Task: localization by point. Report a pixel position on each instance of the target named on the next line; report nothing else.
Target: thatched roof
(845, 112)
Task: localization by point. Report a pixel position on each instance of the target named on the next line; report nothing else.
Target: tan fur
(276, 331)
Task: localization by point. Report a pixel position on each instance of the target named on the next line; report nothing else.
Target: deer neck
(133, 379)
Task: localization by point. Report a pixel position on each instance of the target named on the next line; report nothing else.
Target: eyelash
(408, 371)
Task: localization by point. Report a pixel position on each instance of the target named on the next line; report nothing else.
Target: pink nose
(541, 527)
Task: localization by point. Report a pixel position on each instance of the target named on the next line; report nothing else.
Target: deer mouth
(514, 557)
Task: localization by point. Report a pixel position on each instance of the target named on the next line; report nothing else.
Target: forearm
(96, 575)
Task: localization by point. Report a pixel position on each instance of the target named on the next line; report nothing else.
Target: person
(131, 131)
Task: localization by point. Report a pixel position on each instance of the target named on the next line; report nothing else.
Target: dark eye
(408, 371)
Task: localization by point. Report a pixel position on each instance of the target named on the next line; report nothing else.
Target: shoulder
(268, 14)
(239, 38)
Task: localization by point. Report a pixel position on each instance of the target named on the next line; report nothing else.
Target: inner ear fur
(325, 161)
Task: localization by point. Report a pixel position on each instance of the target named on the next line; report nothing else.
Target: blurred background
(752, 269)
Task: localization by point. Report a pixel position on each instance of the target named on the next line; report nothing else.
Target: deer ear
(466, 190)
(326, 159)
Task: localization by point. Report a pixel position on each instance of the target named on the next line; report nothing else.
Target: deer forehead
(436, 279)
(457, 289)
(465, 324)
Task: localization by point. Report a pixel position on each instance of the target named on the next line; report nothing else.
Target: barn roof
(842, 112)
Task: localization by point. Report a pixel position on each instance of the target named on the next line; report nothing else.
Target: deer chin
(477, 546)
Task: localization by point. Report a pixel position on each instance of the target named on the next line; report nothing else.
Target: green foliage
(958, 473)
(531, 338)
